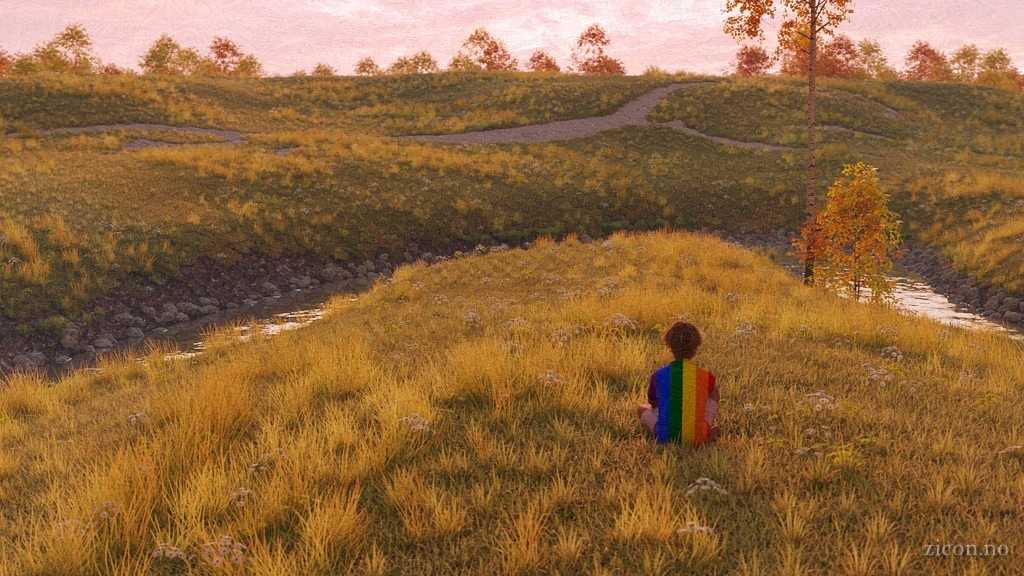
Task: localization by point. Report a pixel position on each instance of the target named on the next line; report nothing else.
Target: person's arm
(711, 407)
(652, 392)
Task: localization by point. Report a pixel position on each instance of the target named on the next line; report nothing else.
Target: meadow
(320, 174)
(478, 416)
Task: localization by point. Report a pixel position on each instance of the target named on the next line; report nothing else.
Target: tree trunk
(810, 210)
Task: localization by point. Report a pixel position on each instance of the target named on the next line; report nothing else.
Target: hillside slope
(318, 175)
(478, 416)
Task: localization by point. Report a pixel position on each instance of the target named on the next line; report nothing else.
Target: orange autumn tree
(802, 22)
(857, 236)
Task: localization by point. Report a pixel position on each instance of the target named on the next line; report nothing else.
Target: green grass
(950, 159)
(478, 416)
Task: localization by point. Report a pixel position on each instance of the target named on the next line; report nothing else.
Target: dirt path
(634, 113)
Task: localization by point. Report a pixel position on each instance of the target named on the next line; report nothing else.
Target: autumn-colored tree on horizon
(69, 51)
(323, 70)
(487, 52)
(588, 56)
(997, 71)
(926, 63)
(6, 64)
(752, 60)
(228, 60)
(857, 235)
(838, 58)
(808, 18)
(367, 67)
(540, 61)
(419, 63)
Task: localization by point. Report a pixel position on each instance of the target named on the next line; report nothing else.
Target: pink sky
(288, 35)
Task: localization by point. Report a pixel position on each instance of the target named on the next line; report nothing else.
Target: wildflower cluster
(266, 460)
(879, 376)
(550, 278)
(620, 321)
(567, 294)
(551, 378)
(820, 400)
(223, 551)
(416, 423)
(892, 354)
(472, 318)
(68, 526)
(562, 335)
(240, 496)
(516, 324)
(165, 550)
(745, 329)
(138, 417)
(704, 485)
(886, 331)
(609, 286)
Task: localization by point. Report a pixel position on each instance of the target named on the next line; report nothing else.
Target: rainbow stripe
(688, 396)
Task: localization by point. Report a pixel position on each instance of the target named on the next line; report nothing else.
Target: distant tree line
(483, 52)
(71, 52)
(841, 57)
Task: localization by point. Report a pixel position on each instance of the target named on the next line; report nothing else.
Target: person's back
(683, 398)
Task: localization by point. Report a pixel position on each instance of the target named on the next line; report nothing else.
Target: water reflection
(269, 327)
(917, 297)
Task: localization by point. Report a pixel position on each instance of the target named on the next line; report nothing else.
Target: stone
(992, 304)
(382, 258)
(188, 308)
(70, 341)
(103, 343)
(1011, 303)
(269, 289)
(1012, 317)
(125, 319)
(181, 317)
(205, 301)
(330, 272)
(134, 333)
(61, 359)
(150, 311)
(585, 239)
(208, 309)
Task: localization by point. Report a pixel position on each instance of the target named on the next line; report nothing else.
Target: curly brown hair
(683, 338)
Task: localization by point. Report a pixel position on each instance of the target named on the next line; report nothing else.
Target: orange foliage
(752, 61)
(855, 237)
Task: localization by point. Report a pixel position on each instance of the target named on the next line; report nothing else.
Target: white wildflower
(703, 485)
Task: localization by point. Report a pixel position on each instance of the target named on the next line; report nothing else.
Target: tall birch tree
(802, 21)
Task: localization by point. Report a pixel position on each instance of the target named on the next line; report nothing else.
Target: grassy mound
(478, 416)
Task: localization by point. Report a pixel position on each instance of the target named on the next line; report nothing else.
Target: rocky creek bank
(205, 294)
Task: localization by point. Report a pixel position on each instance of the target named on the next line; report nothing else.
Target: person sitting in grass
(683, 397)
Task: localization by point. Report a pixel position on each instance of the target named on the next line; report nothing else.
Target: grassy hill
(319, 174)
(478, 416)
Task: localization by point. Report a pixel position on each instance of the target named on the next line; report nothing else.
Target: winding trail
(633, 113)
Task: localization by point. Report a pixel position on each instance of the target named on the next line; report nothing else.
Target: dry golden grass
(478, 417)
